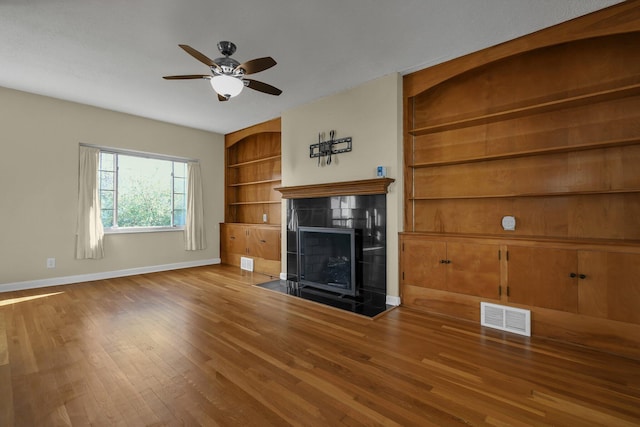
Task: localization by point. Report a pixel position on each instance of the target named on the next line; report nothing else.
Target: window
(142, 192)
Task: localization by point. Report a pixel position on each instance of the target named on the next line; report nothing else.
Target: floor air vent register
(505, 318)
(246, 263)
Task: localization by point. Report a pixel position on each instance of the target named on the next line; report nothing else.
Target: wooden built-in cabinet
(465, 268)
(596, 284)
(543, 277)
(544, 128)
(258, 242)
(252, 206)
(588, 282)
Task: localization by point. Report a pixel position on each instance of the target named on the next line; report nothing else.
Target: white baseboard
(66, 280)
(391, 300)
(283, 276)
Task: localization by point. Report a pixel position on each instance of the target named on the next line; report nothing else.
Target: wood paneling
(608, 285)
(252, 171)
(203, 346)
(607, 217)
(422, 263)
(543, 277)
(587, 280)
(258, 242)
(233, 239)
(514, 85)
(473, 269)
(545, 128)
(461, 267)
(265, 243)
(274, 125)
(618, 19)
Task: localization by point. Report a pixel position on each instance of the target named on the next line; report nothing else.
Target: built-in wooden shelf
(252, 170)
(266, 181)
(613, 245)
(550, 194)
(543, 128)
(530, 153)
(575, 101)
(254, 162)
(345, 188)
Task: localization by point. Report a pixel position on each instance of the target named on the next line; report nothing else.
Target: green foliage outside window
(141, 192)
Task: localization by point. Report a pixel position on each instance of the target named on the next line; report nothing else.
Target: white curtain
(89, 233)
(194, 237)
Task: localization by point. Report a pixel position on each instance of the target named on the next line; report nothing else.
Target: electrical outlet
(51, 263)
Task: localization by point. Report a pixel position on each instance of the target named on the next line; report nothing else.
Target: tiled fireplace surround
(364, 210)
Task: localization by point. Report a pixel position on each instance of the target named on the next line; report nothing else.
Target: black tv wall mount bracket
(327, 148)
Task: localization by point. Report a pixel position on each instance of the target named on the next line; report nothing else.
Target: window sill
(134, 230)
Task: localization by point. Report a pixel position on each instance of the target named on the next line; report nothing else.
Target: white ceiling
(113, 54)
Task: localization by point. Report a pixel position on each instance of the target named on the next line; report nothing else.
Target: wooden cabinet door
(265, 243)
(609, 285)
(473, 269)
(541, 277)
(420, 263)
(233, 239)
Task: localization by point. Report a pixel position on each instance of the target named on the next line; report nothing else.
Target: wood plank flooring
(203, 346)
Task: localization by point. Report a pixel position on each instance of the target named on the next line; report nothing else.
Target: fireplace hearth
(366, 303)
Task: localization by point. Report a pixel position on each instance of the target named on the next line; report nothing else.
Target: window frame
(146, 155)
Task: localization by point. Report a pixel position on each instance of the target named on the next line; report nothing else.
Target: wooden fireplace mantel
(345, 188)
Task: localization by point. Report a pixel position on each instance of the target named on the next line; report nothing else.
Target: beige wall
(38, 174)
(372, 115)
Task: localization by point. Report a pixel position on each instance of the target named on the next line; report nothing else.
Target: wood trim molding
(270, 126)
(345, 188)
(620, 18)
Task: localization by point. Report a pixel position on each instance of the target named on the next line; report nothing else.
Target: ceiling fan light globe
(227, 86)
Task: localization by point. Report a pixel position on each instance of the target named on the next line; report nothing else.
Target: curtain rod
(140, 153)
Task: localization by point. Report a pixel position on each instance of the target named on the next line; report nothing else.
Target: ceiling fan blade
(199, 56)
(257, 65)
(262, 87)
(188, 76)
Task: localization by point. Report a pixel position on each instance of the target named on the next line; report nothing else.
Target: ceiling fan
(227, 77)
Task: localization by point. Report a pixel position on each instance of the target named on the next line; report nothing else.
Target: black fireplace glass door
(327, 258)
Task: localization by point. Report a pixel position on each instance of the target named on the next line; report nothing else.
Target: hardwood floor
(203, 347)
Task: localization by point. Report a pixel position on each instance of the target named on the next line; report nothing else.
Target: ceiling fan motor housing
(228, 66)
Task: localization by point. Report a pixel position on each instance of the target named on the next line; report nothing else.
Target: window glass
(141, 192)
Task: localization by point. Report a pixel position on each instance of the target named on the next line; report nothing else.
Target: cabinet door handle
(582, 276)
(573, 275)
(445, 261)
(263, 241)
(233, 237)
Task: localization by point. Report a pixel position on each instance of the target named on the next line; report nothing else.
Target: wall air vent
(505, 318)
(246, 263)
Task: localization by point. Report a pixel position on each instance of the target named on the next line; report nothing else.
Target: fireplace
(330, 259)
(349, 219)
(362, 215)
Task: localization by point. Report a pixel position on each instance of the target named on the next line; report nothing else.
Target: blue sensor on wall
(381, 172)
